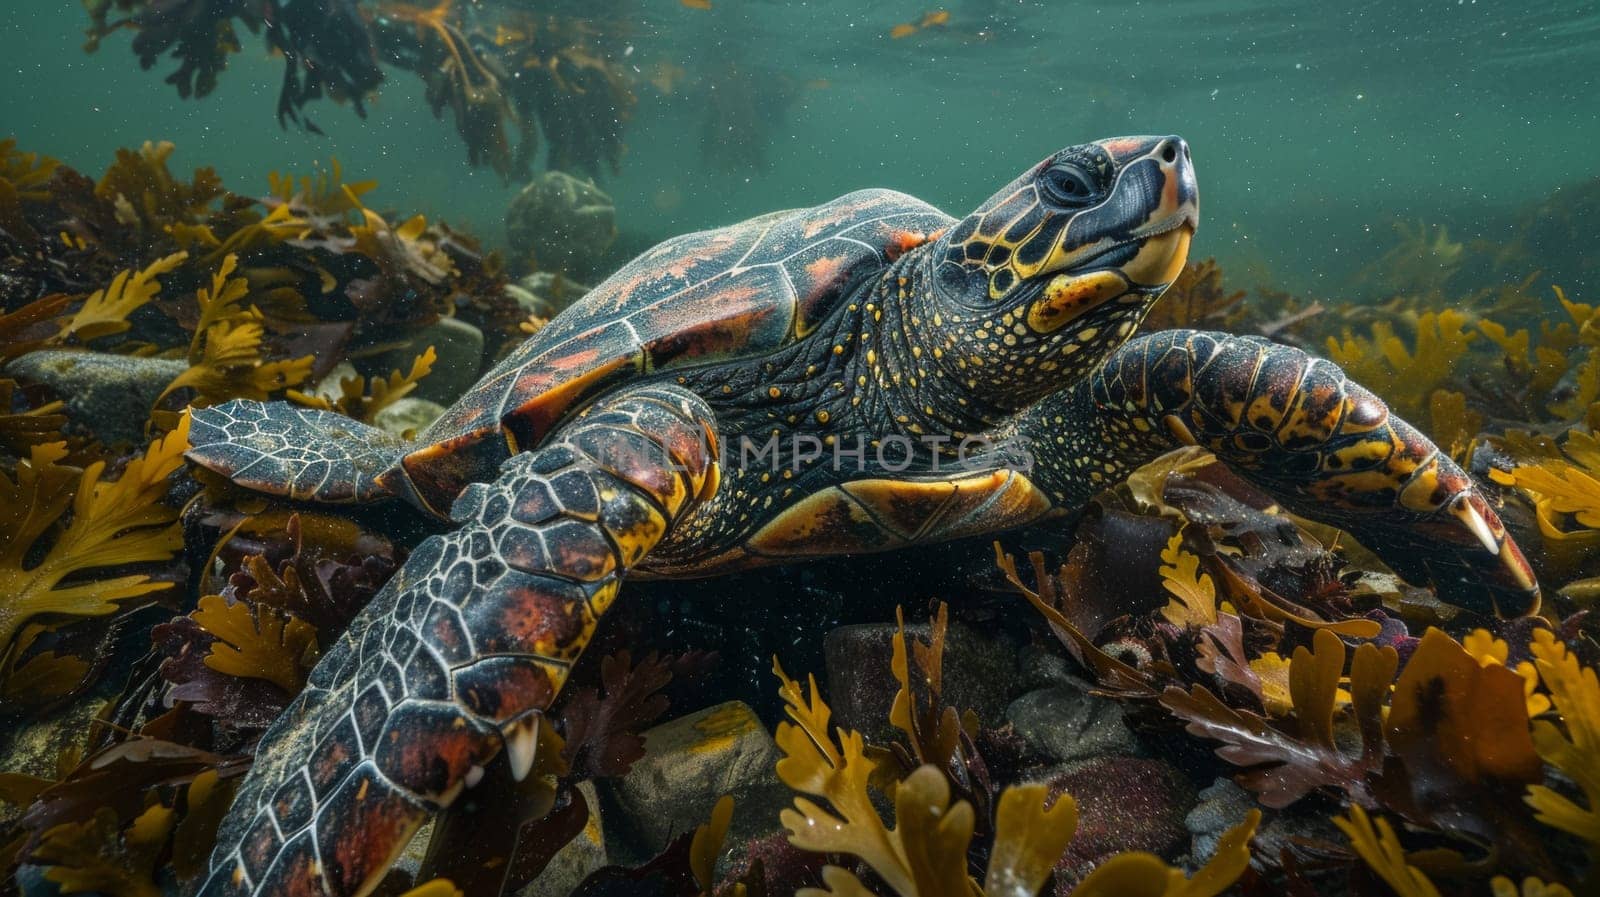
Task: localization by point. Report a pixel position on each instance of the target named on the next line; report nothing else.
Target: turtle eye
(1069, 186)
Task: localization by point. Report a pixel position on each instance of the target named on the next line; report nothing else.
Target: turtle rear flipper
(299, 453)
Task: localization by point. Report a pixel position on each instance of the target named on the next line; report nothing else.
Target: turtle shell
(713, 297)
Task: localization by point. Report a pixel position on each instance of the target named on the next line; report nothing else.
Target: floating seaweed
(497, 79)
(326, 47)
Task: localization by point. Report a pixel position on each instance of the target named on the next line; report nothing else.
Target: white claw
(522, 738)
(1474, 521)
(474, 775)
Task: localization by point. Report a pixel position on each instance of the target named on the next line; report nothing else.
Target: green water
(1315, 125)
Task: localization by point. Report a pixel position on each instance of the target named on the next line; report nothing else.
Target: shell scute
(706, 298)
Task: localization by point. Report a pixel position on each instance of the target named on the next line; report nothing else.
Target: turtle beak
(1167, 231)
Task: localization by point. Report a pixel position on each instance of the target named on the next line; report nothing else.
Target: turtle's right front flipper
(299, 453)
(462, 650)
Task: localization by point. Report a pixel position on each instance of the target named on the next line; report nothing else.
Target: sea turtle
(855, 377)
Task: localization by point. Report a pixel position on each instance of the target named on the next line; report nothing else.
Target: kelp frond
(26, 174)
(21, 430)
(31, 326)
(230, 366)
(326, 194)
(1375, 842)
(926, 853)
(1406, 376)
(106, 311)
(146, 194)
(220, 303)
(1486, 649)
(99, 856)
(1501, 886)
(1562, 480)
(1194, 601)
(225, 352)
(1285, 762)
(1571, 745)
(112, 524)
(359, 401)
(814, 763)
(434, 887)
(258, 643)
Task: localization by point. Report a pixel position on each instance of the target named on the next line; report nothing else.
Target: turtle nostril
(1169, 152)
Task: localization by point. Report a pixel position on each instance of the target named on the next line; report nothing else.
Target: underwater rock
(546, 293)
(1124, 803)
(561, 223)
(460, 349)
(407, 415)
(33, 746)
(1065, 723)
(329, 386)
(689, 764)
(580, 857)
(782, 863)
(110, 395)
(1039, 667)
(1223, 803)
(531, 304)
(979, 674)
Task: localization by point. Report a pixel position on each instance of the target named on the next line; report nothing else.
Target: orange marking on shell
(902, 240)
(822, 273)
(819, 225)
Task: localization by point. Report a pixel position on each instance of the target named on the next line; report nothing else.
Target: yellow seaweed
(258, 643)
(225, 352)
(1563, 479)
(1406, 376)
(1572, 745)
(1486, 650)
(926, 853)
(98, 856)
(359, 401)
(106, 311)
(1375, 842)
(1501, 886)
(1195, 596)
(112, 524)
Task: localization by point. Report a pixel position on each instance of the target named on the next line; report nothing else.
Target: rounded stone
(459, 347)
(109, 395)
(1124, 803)
(561, 223)
(1065, 723)
(407, 416)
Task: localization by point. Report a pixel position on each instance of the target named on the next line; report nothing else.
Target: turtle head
(1057, 268)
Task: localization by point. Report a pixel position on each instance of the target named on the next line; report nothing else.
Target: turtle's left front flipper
(1294, 425)
(462, 650)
